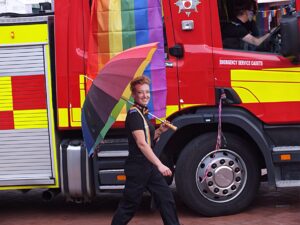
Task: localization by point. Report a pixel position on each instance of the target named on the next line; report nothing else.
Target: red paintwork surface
(171, 72)
(61, 53)
(276, 113)
(192, 79)
(199, 71)
(71, 39)
(195, 71)
(29, 92)
(7, 120)
(222, 72)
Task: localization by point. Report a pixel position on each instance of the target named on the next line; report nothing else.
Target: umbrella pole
(167, 123)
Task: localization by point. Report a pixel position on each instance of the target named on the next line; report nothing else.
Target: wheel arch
(202, 120)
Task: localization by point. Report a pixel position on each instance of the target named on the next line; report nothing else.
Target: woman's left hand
(164, 170)
(163, 127)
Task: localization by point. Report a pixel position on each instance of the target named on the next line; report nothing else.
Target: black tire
(202, 178)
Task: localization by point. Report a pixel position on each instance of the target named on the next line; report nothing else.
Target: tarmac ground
(270, 207)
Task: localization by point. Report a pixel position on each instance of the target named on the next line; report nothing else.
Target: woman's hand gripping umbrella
(164, 122)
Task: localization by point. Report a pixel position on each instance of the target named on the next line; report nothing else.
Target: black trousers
(141, 175)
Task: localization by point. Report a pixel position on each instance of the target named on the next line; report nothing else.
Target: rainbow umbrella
(105, 98)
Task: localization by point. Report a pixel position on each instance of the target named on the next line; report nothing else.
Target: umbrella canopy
(105, 98)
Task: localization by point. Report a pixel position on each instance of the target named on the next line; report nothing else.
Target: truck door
(253, 72)
(171, 62)
(188, 29)
(27, 136)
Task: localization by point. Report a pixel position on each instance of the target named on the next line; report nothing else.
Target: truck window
(165, 40)
(166, 46)
(252, 25)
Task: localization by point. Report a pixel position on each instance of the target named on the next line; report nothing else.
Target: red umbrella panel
(104, 100)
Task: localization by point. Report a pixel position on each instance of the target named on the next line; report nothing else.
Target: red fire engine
(42, 88)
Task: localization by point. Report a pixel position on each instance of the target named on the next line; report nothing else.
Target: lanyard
(146, 126)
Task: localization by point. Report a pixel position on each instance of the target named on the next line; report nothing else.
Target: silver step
(113, 148)
(286, 148)
(111, 187)
(106, 154)
(288, 183)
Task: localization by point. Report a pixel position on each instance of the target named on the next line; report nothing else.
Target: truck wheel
(215, 183)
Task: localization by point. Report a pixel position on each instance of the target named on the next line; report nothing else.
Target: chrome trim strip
(111, 171)
(105, 154)
(288, 183)
(286, 148)
(26, 182)
(112, 187)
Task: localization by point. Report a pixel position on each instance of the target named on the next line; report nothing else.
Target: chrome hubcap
(221, 175)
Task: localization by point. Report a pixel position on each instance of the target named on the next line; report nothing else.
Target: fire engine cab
(245, 100)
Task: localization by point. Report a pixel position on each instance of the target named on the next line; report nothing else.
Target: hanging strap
(146, 126)
(219, 140)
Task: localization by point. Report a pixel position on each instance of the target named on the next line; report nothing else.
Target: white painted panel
(23, 60)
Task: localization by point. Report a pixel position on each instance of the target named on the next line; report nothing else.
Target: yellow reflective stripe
(75, 117)
(266, 86)
(82, 89)
(264, 76)
(56, 185)
(245, 95)
(24, 34)
(63, 117)
(189, 105)
(32, 112)
(51, 115)
(170, 109)
(6, 100)
(82, 97)
(30, 119)
(270, 92)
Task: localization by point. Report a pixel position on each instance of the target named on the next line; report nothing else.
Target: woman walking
(143, 169)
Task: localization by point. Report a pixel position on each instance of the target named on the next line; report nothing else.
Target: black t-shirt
(232, 34)
(133, 122)
(235, 28)
(252, 28)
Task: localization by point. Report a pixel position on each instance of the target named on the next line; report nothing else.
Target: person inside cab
(241, 31)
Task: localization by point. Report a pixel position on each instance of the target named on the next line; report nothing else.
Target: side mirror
(176, 50)
(289, 36)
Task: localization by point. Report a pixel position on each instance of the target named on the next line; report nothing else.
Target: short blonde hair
(139, 80)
